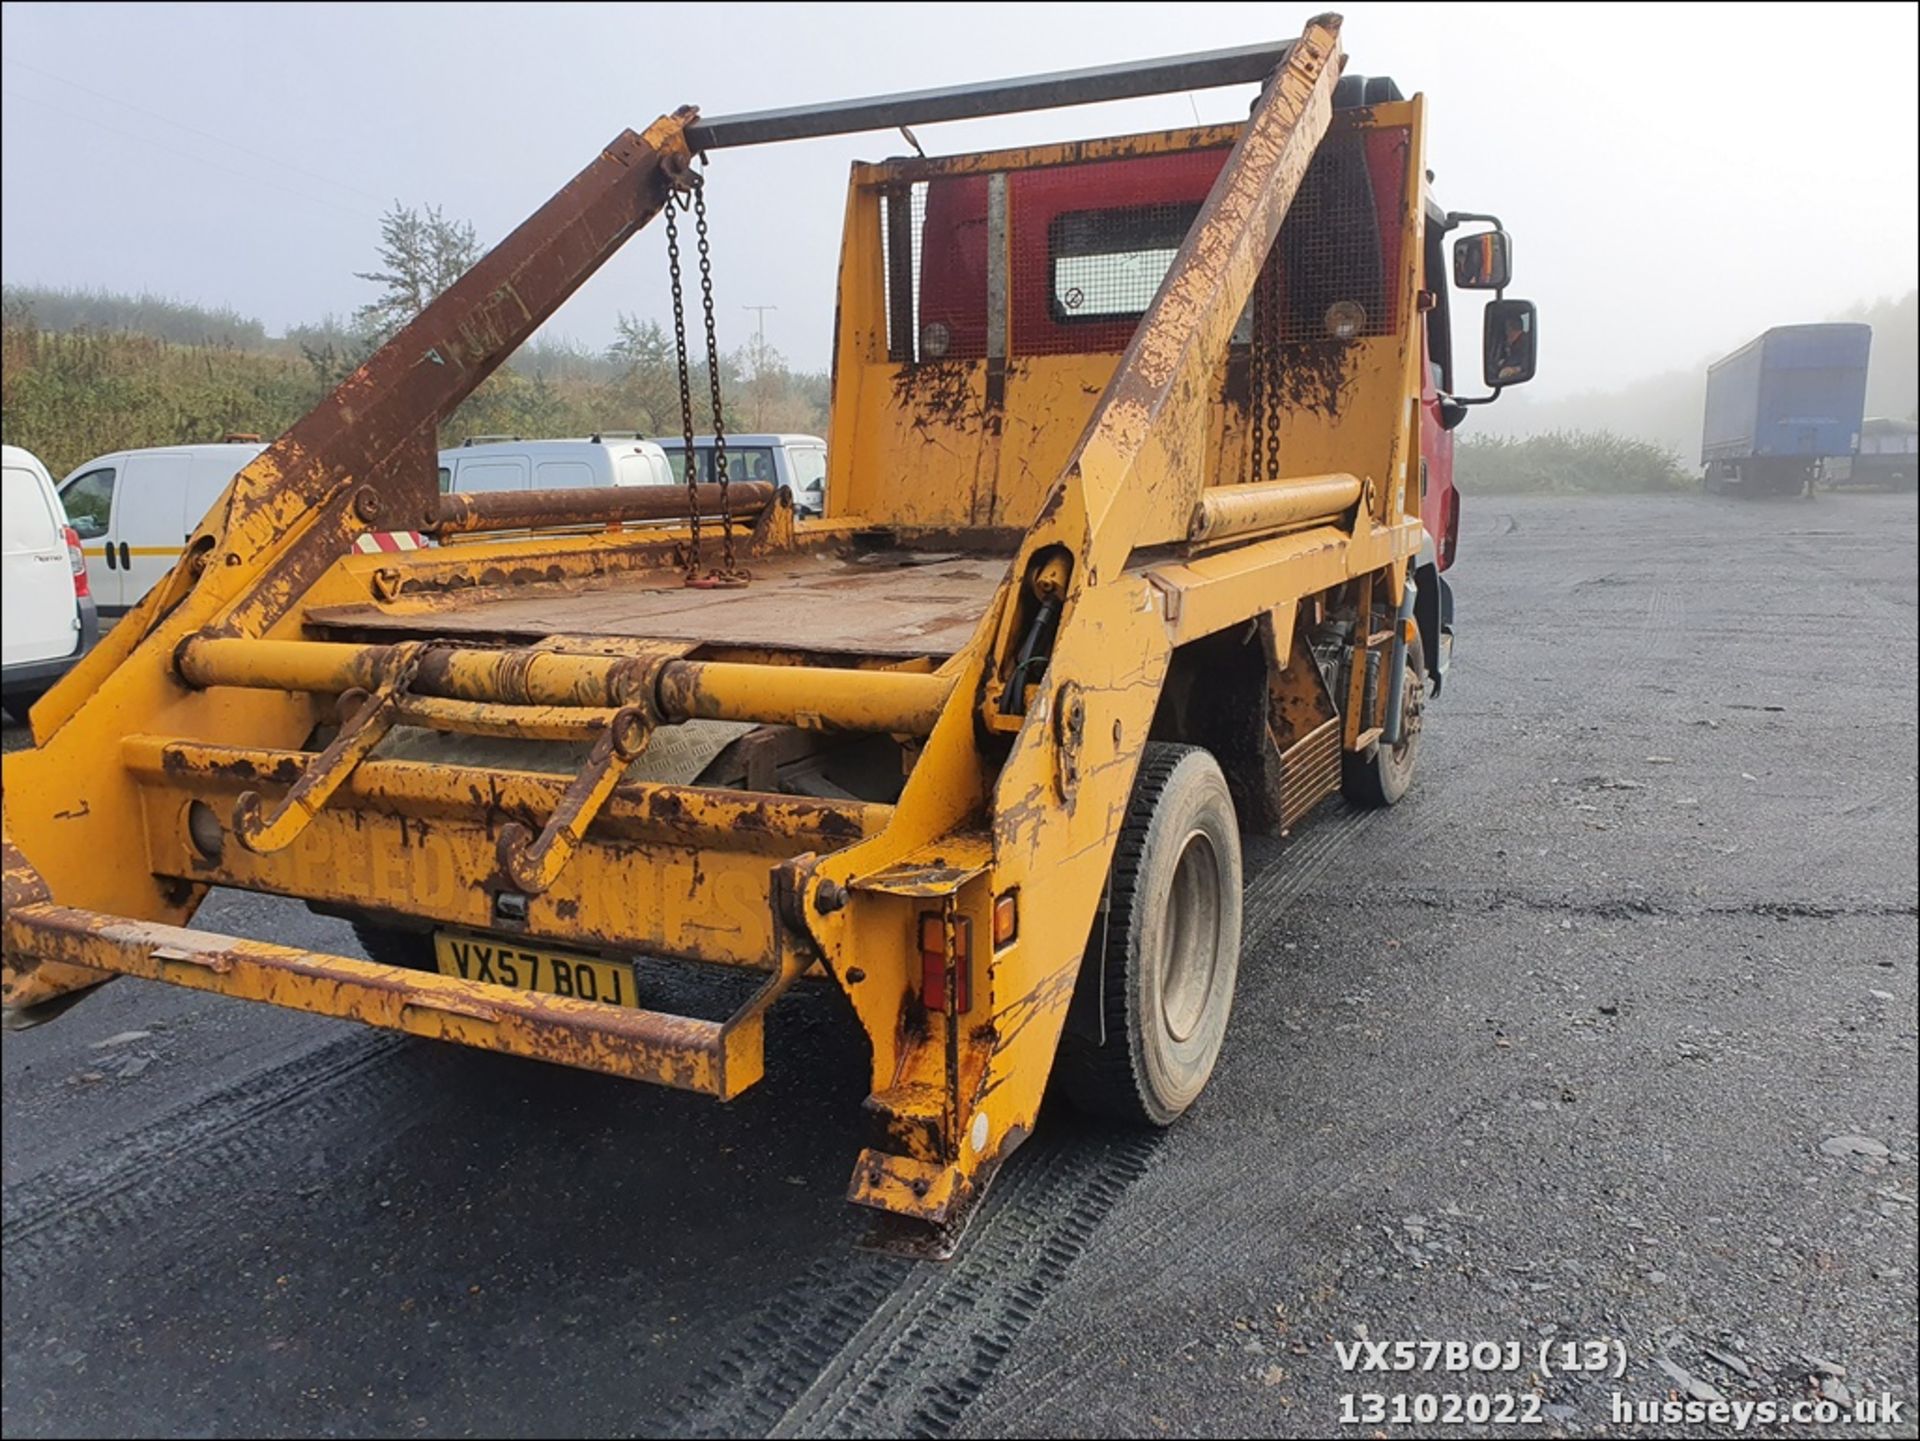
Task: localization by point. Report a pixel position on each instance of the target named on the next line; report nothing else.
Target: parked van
(47, 618)
(796, 461)
(134, 509)
(490, 462)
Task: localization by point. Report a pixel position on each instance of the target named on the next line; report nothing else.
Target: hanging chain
(693, 197)
(1263, 381)
(1257, 379)
(729, 573)
(1271, 384)
(678, 201)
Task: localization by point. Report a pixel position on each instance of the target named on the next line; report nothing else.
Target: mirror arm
(1457, 218)
(1487, 399)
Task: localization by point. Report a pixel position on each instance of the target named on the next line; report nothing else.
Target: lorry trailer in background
(1888, 456)
(1137, 509)
(1784, 407)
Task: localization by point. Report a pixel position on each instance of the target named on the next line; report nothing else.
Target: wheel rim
(1190, 937)
(1400, 757)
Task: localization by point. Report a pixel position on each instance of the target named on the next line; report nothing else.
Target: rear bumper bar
(716, 1058)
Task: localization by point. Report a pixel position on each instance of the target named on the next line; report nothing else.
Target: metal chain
(678, 201)
(1271, 384)
(729, 574)
(1257, 379)
(1263, 387)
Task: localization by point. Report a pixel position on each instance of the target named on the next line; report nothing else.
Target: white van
(47, 619)
(489, 462)
(798, 462)
(134, 509)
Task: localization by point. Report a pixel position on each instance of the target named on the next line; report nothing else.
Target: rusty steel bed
(894, 604)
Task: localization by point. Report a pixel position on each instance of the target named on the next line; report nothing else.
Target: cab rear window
(1104, 264)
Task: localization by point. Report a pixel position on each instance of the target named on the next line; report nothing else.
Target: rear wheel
(395, 946)
(1379, 775)
(1168, 950)
(20, 702)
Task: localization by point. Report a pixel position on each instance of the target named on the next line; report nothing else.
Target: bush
(70, 397)
(178, 321)
(1567, 462)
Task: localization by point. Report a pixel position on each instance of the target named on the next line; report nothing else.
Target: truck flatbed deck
(893, 604)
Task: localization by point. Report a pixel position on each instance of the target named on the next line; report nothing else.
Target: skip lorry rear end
(1138, 506)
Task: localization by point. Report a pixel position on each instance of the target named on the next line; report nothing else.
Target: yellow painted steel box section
(898, 761)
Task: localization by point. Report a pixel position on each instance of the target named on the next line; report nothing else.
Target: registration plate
(533, 968)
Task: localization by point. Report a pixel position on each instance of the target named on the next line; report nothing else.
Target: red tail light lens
(933, 962)
(78, 559)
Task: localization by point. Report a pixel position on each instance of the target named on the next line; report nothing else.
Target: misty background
(1676, 178)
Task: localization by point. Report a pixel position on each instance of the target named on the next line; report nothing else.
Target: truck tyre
(393, 946)
(20, 703)
(1168, 948)
(1379, 775)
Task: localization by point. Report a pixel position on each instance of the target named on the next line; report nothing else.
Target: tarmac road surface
(1606, 1034)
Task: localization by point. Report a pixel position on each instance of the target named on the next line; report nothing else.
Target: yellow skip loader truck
(1139, 506)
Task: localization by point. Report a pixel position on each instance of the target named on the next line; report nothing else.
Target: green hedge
(68, 397)
(1567, 462)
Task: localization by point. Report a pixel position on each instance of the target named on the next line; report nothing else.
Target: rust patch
(940, 390)
(241, 770)
(23, 885)
(1314, 374)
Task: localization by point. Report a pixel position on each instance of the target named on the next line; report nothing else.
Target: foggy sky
(1677, 178)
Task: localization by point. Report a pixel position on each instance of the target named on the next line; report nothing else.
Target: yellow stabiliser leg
(321, 779)
(534, 865)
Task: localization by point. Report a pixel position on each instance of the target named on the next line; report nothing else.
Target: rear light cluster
(77, 558)
(933, 952)
(933, 962)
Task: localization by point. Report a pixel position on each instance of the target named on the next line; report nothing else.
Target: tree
(421, 253)
(648, 388)
(333, 348)
(641, 344)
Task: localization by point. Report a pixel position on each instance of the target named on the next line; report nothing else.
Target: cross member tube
(1230, 510)
(822, 698)
(1167, 75)
(530, 509)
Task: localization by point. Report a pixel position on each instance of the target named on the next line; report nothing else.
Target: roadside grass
(1568, 462)
(69, 396)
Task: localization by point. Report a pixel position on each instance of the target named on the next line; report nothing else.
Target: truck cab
(1103, 237)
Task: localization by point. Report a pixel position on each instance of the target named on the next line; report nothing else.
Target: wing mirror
(1483, 261)
(1508, 343)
